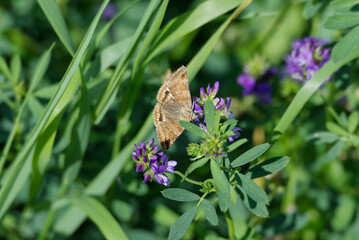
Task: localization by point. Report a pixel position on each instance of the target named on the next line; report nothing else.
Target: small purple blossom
(219, 103)
(237, 133)
(109, 12)
(255, 80)
(152, 162)
(306, 58)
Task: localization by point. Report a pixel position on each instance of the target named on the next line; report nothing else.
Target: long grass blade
(22, 160)
(57, 21)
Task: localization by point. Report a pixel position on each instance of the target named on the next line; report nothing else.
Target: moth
(174, 103)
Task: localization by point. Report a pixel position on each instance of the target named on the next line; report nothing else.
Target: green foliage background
(76, 92)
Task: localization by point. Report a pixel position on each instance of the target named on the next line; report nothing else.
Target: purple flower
(247, 82)
(219, 103)
(152, 162)
(109, 12)
(255, 80)
(306, 58)
(237, 133)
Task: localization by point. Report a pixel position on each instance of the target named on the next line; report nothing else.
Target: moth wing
(176, 90)
(167, 133)
(167, 126)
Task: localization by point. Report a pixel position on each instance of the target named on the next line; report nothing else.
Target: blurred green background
(315, 197)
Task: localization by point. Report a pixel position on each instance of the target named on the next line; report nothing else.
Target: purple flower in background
(306, 58)
(255, 80)
(152, 162)
(109, 12)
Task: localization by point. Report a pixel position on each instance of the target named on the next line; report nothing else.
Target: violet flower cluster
(306, 58)
(220, 104)
(152, 162)
(255, 80)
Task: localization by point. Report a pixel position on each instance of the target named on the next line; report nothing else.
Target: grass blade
(305, 93)
(197, 61)
(188, 22)
(103, 219)
(72, 218)
(41, 69)
(57, 21)
(64, 91)
(111, 89)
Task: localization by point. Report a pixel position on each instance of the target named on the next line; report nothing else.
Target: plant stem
(9, 141)
(230, 225)
(7, 101)
(187, 179)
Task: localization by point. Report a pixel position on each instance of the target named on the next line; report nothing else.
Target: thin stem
(187, 179)
(10, 139)
(7, 101)
(201, 199)
(230, 225)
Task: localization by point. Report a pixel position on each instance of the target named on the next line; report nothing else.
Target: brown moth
(174, 103)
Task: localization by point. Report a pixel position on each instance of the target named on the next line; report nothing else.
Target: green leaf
(42, 154)
(46, 92)
(222, 185)
(354, 139)
(190, 21)
(252, 189)
(4, 68)
(104, 30)
(353, 121)
(53, 14)
(343, 120)
(36, 108)
(310, 9)
(197, 164)
(179, 228)
(239, 215)
(281, 223)
(199, 59)
(267, 167)
(343, 5)
(41, 68)
(210, 212)
(346, 46)
(236, 145)
(113, 52)
(193, 128)
(209, 115)
(122, 209)
(335, 150)
(80, 134)
(323, 137)
(72, 218)
(250, 155)
(151, 34)
(112, 87)
(216, 121)
(333, 127)
(102, 218)
(305, 93)
(180, 195)
(13, 183)
(15, 66)
(228, 125)
(342, 21)
(257, 208)
(343, 213)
